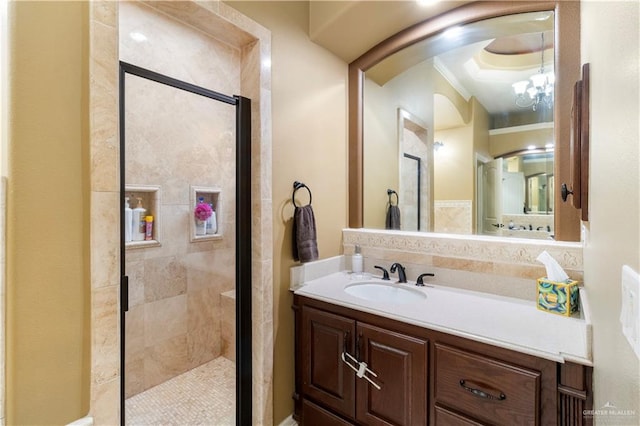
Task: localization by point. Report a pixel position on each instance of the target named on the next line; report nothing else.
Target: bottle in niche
(212, 223)
(148, 229)
(138, 223)
(128, 221)
(201, 225)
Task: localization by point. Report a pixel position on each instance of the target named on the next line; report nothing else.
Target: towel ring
(390, 192)
(297, 185)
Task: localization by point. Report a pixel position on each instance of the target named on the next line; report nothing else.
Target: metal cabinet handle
(482, 394)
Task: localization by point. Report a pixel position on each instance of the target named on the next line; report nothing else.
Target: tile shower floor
(202, 396)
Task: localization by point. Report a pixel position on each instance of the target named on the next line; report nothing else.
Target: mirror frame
(567, 68)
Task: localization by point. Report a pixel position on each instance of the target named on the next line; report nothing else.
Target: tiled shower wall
(223, 23)
(174, 140)
(413, 145)
(453, 216)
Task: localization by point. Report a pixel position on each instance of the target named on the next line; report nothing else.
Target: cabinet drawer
(487, 389)
(313, 415)
(445, 417)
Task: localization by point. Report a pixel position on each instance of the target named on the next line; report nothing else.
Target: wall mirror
(463, 116)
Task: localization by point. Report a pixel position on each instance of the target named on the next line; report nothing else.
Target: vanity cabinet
(425, 376)
(399, 361)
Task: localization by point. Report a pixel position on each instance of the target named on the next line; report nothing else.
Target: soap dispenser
(138, 223)
(212, 223)
(128, 217)
(357, 261)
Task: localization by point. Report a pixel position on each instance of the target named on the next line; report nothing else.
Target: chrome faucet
(402, 277)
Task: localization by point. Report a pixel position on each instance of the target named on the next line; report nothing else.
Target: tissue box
(558, 297)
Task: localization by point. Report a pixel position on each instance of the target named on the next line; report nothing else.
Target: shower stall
(186, 235)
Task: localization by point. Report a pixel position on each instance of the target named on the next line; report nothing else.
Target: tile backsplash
(504, 266)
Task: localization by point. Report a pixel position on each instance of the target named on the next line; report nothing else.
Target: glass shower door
(179, 254)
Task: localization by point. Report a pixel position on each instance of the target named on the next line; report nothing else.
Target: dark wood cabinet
(485, 388)
(326, 379)
(444, 417)
(425, 376)
(400, 361)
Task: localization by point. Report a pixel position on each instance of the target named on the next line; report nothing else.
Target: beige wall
(610, 44)
(409, 91)
(455, 162)
(47, 216)
(453, 174)
(380, 152)
(47, 314)
(309, 93)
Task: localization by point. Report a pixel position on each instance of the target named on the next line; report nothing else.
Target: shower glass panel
(179, 360)
(410, 192)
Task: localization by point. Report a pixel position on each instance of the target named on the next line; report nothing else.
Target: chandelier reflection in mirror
(538, 90)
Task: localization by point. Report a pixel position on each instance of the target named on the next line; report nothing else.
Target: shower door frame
(243, 262)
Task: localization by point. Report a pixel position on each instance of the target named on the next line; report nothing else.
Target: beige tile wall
(453, 216)
(504, 266)
(175, 140)
(251, 43)
(228, 325)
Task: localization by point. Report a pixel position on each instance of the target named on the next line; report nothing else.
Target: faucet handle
(420, 282)
(385, 273)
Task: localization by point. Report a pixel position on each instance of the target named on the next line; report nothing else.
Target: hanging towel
(305, 245)
(393, 217)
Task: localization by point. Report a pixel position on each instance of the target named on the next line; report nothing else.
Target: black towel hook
(297, 185)
(390, 192)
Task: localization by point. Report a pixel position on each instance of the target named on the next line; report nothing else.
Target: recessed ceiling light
(452, 32)
(427, 2)
(543, 16)
(137, 36)
(531, 147)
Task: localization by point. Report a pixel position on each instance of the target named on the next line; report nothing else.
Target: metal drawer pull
(360, 367)
(482, 394)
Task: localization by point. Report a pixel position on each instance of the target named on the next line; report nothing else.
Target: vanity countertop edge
(505, 322)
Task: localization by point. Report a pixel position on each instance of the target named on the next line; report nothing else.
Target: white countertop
(496, 320)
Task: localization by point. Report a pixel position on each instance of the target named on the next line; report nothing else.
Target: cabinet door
(326, 379)
(400, 361)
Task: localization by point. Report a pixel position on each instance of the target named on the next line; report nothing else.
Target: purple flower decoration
(203, 211)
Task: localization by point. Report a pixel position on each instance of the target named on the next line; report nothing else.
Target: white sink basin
(381, 292)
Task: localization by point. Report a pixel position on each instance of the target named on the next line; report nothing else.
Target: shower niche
(205, 228)
(147, 196)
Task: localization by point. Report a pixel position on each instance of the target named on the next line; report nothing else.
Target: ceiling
(483, 61)
(350, 28)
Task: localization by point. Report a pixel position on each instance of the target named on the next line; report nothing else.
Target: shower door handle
(124, 293)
